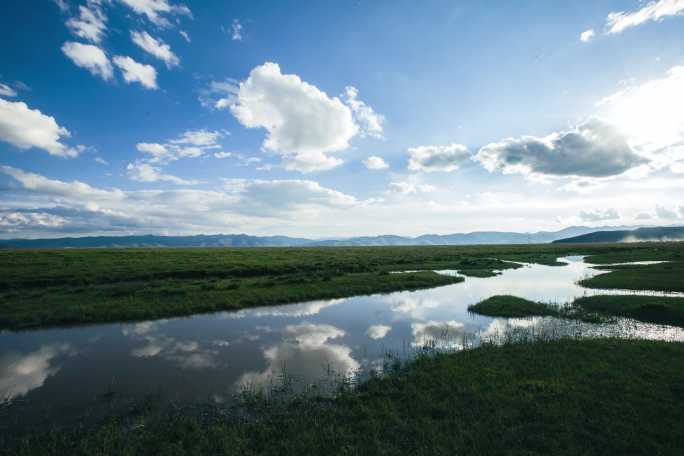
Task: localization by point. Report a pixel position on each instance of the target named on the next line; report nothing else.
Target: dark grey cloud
(593, 149)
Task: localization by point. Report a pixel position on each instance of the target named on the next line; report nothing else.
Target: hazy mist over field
(336, 119)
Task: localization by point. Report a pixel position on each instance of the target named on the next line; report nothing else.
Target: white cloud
(303, 123)
(90, 24)
(307, 351)
(133, 71)
(62, 5)
(599, 215)
(219, 94)
(650, 113)
(665, 213)
(101, 161)
(369, 121)
(20, 374)
(156, 10)
(236, 28)
(144, 172)
(437, 158)
(191, 144)
(408, 188)
(271, 197)
(223, 154)
(593, 149)
(375, 163)
(643, 216)
(243, 205)
(587, 35)
(654, 11)
(7, 91)
(155, 47)
(90, 57)
(439, 332)
(378, 331)
(185, 35)
(25, 128)
(33, 219)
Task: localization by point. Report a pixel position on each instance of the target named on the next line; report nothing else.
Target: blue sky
(327, 118)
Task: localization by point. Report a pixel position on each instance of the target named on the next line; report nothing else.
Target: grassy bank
(55, 287)
(560, 397)
(659, 277)
(507, 306)
(649, 309)
(152, 299)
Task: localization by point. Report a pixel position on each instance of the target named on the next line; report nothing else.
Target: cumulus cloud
(90, 24)
(7, 91)
(302, 122)
(307, 351)
(378, 331)
(370, 122)
(437, 158)
(185, 35)
(90, 57)
(240, 204)
(587, 35)
(20, 374)
(654, 11)
(26, 128)
(156, 10)
(191, 144)
(133, 71)
(374, 162)
(144, 172)
(643, 216)
(439, 332)
(593, 149)
(236, 29)
(599, 215)
(155, 47)
(188, 354)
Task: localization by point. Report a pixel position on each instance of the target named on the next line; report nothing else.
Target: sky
(341, 118)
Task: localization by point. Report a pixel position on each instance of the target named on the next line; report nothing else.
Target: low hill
(244, 240)
(670, 233)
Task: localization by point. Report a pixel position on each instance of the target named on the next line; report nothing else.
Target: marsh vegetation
(504, 337)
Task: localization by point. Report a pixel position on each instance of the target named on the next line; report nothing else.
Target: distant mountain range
(244, 240)
(669, 233)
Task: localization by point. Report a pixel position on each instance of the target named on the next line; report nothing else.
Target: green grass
(659, 277)
(649, 309)
(144, 300)
(57, 287)
(512, 307)
(563, 397)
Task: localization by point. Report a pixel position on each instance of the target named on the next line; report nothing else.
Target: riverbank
(547, 397)
(68, 287)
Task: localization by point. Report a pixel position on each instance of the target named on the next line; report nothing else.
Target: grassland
(63, 287)
(563, 397)
(512, 307)
(649, 309)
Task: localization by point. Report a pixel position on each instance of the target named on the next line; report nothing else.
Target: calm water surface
(67, 371)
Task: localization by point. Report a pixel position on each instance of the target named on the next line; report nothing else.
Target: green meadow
(536, 396)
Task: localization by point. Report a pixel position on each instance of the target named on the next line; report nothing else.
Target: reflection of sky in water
(215, 355)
